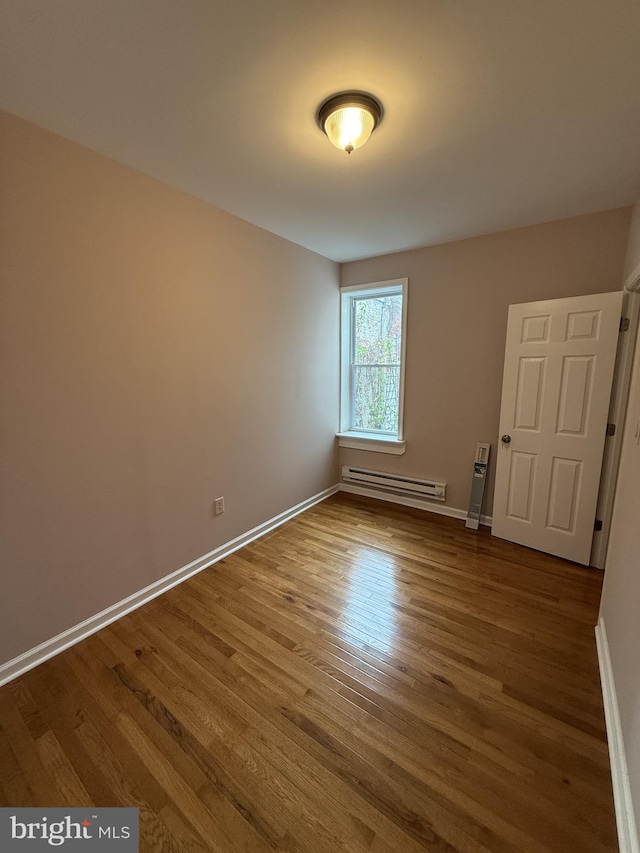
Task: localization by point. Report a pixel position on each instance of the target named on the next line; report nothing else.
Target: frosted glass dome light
(349, 119)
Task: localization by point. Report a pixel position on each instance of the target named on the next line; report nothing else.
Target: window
(373, 342)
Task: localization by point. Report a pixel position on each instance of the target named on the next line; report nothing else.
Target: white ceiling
(498, 113)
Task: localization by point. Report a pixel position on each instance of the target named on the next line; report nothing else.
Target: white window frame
(382, 442)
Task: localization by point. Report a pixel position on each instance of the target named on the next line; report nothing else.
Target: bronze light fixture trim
(349, 119)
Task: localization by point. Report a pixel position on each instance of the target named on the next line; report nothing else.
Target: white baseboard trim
(625, 817)
(28, 660)
(451, 511)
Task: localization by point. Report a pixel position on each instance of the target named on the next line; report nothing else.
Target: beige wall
(620, 607)
(458, 299)
(156, 353)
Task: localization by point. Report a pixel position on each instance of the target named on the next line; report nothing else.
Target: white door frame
(617, 415)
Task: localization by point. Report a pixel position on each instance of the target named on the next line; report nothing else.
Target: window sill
(365, 441)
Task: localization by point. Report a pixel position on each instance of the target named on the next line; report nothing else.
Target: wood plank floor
(366, 678)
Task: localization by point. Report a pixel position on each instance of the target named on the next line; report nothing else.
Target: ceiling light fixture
(349, 119)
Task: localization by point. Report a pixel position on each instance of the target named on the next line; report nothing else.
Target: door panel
(529, 393)
(564, 494)
(535, 329)
(583, 325)
(559, 363)
(521, 485)
(575, 395)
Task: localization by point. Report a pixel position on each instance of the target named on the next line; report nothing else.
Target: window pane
(375, 398)
(378, 330)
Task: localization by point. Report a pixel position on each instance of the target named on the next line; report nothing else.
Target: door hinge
(611, 429)
(597, 525)
(624, 324)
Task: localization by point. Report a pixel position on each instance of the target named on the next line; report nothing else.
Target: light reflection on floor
(369, 614)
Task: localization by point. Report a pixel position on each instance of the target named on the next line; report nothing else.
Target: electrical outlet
(218, 506)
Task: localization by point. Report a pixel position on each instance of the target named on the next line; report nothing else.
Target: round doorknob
(506, 439)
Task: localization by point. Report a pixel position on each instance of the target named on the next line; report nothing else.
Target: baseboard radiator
(394, 483)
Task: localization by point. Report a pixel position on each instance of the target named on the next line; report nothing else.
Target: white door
(558, 373)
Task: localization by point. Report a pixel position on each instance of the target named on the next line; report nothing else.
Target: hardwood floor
(366, 678)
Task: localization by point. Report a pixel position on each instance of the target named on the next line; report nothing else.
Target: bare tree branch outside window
(376, 363)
